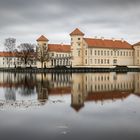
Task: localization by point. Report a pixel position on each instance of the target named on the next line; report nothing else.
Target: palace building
(92, 52)
(81, 52)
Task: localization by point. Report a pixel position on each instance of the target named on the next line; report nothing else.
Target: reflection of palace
(101, 87)
(96, 87)
(92, 87)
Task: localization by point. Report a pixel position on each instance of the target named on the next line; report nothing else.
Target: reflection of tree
(42, 88)
(10, 94)
(23, 84)
(27, 87)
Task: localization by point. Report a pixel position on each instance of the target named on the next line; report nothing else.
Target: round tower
(77, 47)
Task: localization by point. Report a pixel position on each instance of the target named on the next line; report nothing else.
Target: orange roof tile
(14, 54)
(8, 54)
(59, 90)
(59, 48)
(42, 38)
(106, 43)
(110, 95)
(77, 32)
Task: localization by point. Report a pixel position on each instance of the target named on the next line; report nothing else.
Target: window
(95, 61)
(98, 52)
(86, 61)
(111, 53)
(101, 52)
(85, 52)
(105, 61)
(78, 44)
(78, 53)
(98, 61)
(137, 53)
(118, 53)
(115, 61)
(138, 61)
(90, 52)
(95, 52)
(90, 61)
(79, 38)
(108, 61)
(101, 61)
(105, 53)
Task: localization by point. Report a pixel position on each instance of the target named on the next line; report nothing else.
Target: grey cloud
(28, 19)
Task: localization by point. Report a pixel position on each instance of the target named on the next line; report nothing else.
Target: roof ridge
(58, 44)
(104, 39)
(77, 32)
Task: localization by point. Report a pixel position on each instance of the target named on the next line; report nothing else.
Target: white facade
(83, 52)
(12, 61)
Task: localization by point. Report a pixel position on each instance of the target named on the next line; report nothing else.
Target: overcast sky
(26, 20)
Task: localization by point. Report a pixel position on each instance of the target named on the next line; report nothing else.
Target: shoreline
(69, 70)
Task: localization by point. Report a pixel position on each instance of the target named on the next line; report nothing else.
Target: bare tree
(26, 52)
(42, 55)
(10, 46)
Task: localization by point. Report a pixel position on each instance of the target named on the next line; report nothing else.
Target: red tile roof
(105, 43)
(8, 54)
(76, 32)
(42, 38)
(59, 48)
(110, 95)
(59, 90)
(14, 54)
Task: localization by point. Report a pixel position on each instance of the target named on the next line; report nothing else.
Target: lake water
(95, 106)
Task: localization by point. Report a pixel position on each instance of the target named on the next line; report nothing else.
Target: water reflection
(95, 87)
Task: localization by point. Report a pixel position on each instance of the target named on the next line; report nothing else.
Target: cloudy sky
(27, 19)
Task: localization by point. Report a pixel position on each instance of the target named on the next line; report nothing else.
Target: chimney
(61, 43)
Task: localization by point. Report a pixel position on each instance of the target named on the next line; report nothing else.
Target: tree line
(26, 52)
